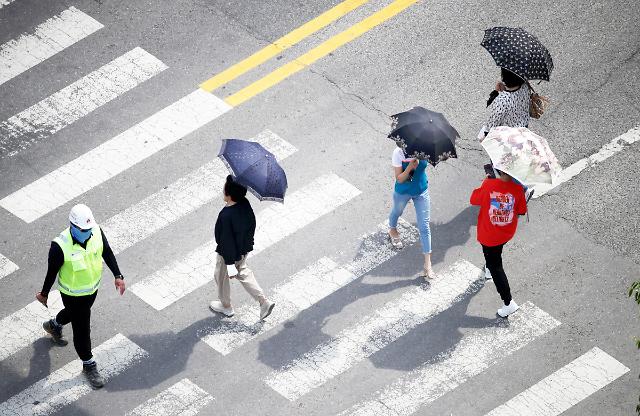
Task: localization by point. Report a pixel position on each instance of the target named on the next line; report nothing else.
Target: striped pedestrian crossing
(566, 387)
(305, 288)
(374, 332)
(472, 355)
(67, 384)
(114, 156)
(77, 100)
(301, 208)
(49, 38)
(184, 398)
(178, 199)
(24, 326)
(6, 266)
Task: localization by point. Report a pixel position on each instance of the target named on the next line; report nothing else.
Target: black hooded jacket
(234, 231)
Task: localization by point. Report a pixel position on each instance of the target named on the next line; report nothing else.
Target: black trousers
(77, 310)
(493, 258)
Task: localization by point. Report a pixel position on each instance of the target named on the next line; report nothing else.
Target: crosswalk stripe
(305, 288)
(274, 223)
(49, 38)
(184, 398)
(6, 266)
(319, 52)
(180, 198)
(373, 333)
(114, 156)
(67, 384)
(613, 147)
(566, 387)
(285, 42)
(5, 3)
(472, 355)
(77, 100)
(24, 326)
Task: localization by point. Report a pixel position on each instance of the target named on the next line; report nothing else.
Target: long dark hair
(510, 79)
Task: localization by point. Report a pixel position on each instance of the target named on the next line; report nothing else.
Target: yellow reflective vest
(81, 271)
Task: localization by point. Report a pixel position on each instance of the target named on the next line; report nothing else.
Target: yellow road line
(318, 52)
(281, 44)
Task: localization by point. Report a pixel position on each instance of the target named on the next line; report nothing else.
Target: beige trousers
(245, 277)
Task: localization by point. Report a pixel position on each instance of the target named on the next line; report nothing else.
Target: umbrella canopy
(254, 167)
(424, 134)
(522, 154)
(518, 51)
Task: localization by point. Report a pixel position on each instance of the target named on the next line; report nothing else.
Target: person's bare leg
(428, 270)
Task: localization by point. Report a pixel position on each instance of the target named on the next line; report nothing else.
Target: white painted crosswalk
(6, 266)
(566, 387)
(67, 384)
(278, 221)
(114, 156)
(305, 288)
(471, 356)
(77, 100)
(24, 326)
(373, 333)
(49, 38)
(184, 398)
(179, 198)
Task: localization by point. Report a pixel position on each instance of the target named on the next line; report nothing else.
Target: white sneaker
(266, 308)
(216, 306)
(487, 273)
(507, 310)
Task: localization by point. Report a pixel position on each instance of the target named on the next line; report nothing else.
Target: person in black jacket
(235, 228)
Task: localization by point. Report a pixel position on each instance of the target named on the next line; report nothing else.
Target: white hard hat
(82, 217)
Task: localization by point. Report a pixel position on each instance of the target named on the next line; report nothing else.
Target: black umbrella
(254, 167)
(424, 134)
(518, 51)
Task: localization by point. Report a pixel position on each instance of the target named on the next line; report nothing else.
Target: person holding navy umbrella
(255, 169)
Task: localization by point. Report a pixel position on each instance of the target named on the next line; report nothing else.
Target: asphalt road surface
(122, 105)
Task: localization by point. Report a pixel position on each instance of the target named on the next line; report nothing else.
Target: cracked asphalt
(574, 259)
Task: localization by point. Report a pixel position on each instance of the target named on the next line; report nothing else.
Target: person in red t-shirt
(501, 200)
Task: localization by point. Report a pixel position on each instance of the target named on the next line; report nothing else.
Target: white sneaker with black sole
(507, 310)
(217, 306)
(487, 273)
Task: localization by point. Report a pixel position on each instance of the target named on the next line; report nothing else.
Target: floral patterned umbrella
(424, 135)
(522, 154)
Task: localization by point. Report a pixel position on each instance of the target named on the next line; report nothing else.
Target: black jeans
(77, 310)
(493, 258)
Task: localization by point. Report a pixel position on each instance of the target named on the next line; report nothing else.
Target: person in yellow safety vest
(75, 256)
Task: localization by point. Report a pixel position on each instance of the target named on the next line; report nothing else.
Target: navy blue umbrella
(254, 167)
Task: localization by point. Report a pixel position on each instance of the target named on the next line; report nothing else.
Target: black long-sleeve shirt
(56, 260)
(234, 231)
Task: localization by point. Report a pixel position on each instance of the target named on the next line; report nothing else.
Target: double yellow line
(306, 59)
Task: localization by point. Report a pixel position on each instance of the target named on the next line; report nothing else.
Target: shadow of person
(13, 382)
(307, 328)
(168, 354)
(433, 340)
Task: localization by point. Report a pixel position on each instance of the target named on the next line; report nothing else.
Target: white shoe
(216, 306)
(507, 310)
(266, 308)
(487, 273)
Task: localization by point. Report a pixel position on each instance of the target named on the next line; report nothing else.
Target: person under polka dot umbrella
(518, 51)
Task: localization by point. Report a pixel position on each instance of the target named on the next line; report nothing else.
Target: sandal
(396, 242)
(429, 274)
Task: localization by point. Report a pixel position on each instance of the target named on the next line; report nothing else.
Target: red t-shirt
(500, 204)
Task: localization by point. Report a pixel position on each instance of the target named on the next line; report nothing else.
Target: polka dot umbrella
(518, 51)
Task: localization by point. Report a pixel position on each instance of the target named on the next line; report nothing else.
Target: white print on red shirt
(501, 208)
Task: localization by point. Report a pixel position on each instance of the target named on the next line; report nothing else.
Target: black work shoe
(93, 376)
(56, 332)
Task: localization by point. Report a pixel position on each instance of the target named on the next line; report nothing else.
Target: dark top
(56, 260)
(234, 231)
